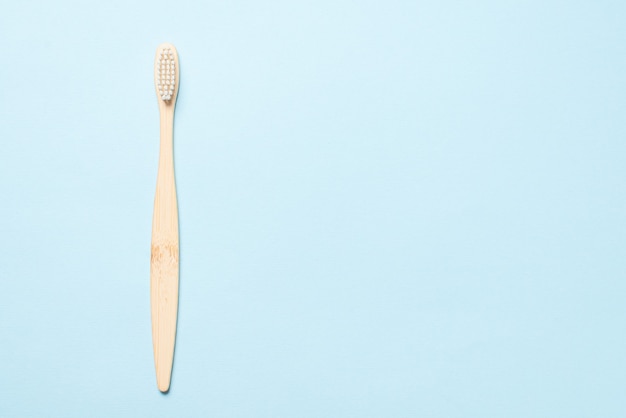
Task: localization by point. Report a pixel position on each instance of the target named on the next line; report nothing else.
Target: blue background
(387, 209)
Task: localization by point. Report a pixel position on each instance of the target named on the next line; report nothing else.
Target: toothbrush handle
(164, 258)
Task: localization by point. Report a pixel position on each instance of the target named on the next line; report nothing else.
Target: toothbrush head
(166, 73)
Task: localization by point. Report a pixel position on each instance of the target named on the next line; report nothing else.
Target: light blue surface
(387, 209)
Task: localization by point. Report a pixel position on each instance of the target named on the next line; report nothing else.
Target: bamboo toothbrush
(164, 255)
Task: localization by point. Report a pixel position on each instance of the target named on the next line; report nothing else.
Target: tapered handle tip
(163, 385)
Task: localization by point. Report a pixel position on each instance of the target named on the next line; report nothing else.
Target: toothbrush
(164, 254)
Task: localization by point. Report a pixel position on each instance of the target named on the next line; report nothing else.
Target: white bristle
(166, 74)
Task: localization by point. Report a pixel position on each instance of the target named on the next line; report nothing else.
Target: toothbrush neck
(167, 126)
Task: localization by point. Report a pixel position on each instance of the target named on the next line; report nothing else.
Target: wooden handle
(164, 256)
